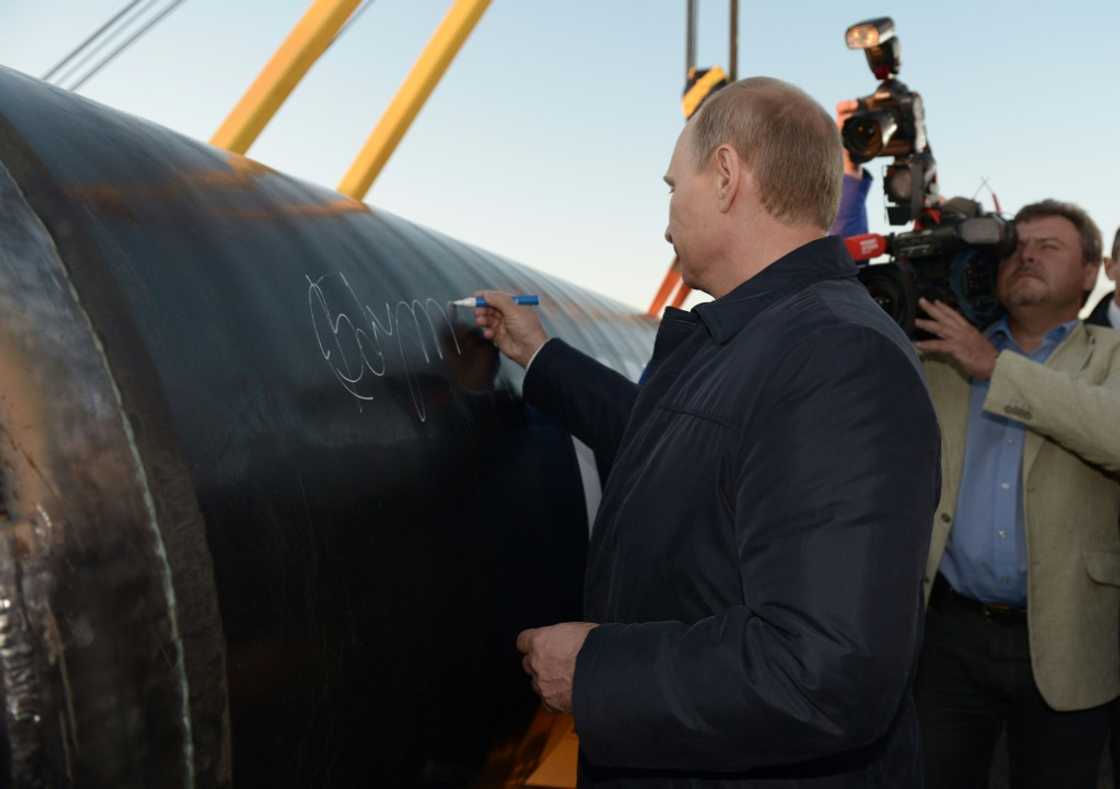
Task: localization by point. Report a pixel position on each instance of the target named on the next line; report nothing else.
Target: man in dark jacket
(754, 579)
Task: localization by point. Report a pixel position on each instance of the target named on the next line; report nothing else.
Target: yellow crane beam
(444, 45)
(303, 46)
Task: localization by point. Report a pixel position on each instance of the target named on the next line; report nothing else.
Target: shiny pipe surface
(272, 511)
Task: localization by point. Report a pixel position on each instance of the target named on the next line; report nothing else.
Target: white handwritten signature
(360, 361)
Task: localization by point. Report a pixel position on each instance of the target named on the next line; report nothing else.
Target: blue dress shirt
(986, 557)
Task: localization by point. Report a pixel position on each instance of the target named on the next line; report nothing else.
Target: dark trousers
(974, 681)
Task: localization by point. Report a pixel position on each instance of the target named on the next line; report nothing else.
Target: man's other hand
(550, 658)
(517, 331)
(957, 338)
(844, 110)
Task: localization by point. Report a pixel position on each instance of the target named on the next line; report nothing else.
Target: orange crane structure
(698, 85)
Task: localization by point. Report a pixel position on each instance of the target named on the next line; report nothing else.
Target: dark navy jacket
(758, 555)
(1099, 315)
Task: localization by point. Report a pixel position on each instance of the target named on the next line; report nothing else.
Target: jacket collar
(1099, 316)
(999, 333)
(820, 260)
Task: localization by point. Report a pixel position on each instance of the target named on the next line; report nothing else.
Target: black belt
(945, 598)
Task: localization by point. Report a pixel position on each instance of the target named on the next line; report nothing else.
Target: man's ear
(729, 169)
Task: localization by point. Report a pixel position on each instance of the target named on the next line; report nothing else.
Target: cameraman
(1023, 577)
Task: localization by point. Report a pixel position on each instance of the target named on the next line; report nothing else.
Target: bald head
(788, 141)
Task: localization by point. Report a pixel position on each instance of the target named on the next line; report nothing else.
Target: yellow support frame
(413, 92)
(307, 41)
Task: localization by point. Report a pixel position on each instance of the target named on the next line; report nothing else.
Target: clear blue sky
(547, 139)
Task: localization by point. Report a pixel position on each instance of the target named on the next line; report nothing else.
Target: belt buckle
(996, 610)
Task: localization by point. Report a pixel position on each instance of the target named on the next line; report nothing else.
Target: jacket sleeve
(832, 495)
(589, 399)
(851, 217)
(1083, 417)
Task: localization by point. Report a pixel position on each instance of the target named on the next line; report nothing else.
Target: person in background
(851, 217)
(1107, 313)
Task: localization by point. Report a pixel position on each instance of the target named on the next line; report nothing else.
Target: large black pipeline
(273, 512)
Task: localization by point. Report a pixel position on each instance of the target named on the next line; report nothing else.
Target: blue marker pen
(478, 301)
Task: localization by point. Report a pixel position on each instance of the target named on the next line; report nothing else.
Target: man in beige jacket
(1023, 576)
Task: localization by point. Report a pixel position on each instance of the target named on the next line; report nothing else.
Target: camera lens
(866, 134)
(892, 288)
